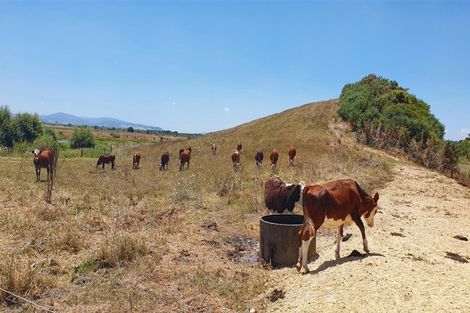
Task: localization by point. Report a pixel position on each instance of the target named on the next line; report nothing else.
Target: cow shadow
(332, 263)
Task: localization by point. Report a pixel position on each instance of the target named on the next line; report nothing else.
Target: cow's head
(100, 161)
(294, 194)
(36, 153)
(369, 205)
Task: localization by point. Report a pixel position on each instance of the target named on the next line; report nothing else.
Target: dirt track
(405, 272)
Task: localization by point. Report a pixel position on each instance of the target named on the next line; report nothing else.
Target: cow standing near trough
(106, 159)
(164, 159)
(280, 197)
(274, 156)
(334, 205)
(259, 158)
(136, 160)
(292, 152)
(43, 159)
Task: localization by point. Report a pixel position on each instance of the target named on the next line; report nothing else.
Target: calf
(274, 156)
(259, 158)
(280, 197)
(106, 159)
(334, 205)
(214, 148)
(136, 160)
(43, 159)
(236, 160)
(164, 159)
(185, 157)
(239, 147)
(292, 152)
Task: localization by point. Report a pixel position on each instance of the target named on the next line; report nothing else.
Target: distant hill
(64, 118)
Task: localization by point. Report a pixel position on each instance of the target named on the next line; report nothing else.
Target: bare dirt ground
(407, 269)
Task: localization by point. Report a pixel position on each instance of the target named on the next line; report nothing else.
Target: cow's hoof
(298, 267)
(306, 270)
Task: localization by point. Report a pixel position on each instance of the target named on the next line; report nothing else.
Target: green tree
(82, 137)
(48, 140)
(130, 129)
(6, 133)
(26, 127)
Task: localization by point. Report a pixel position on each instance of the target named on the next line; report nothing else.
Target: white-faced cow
(43, 159)
(281, 197)
(292, 152)
(274, 156)
(136, 160)
(239, 147)
(259, 156)
(164, 159)
(214, 148)
(106, 159)
(334, 205)
(236, 160)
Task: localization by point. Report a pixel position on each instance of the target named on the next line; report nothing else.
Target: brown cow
(259, 158)
(136, 160)
(274, 156)
(334, 205)
(239, 147)
(236, 160)
(165, 158)
(292, 152)
(214, 148)
(182, 150)
(43, 159)
(184, 158)
(106, 159)
(281, 197)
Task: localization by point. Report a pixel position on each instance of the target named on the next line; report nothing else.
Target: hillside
(128, 240)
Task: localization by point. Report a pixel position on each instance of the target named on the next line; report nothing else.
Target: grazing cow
(274, 156)
(239, 147)
(292, 152)
(184, 158)
(279, 196)
(165, 158)
(334, 205)
(236, 160)
(214, 148)
(43, 159)
(259, 158)
(106, 159)
(136, 160)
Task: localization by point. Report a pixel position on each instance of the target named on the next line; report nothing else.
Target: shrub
(6, 133)
(26, 127)
(82, 137)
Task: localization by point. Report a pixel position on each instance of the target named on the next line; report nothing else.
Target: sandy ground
(406, 271)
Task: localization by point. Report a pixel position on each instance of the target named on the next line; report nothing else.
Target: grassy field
(128, 240)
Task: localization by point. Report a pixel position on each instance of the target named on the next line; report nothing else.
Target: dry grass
(131, 240)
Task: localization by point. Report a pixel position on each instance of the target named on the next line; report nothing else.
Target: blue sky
(197, 66)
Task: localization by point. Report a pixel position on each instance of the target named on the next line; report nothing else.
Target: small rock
(81, 280)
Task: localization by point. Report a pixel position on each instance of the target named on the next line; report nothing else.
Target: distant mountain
(64, 118)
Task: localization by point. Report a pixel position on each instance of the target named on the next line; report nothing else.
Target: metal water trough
(279, 239)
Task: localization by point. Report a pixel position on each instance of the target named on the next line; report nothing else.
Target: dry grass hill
(128, 240)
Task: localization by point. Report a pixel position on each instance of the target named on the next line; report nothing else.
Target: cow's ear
(376, 197)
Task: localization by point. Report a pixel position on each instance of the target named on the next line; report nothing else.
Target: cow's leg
(306, 235)
(112, 165)
(38, 174)
(338, 241)
(48, 173)
(357, 219)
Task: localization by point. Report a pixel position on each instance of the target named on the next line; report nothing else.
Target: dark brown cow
(334, 205)
(165, 158)
(292, 152)
(279, 196)
(274, 156)
(239, 147)
(182, 150)
(259, 158)
(136, 160)
(236, 160)
(43, 159)
(106, 159)
(214, 148)
(185, 157)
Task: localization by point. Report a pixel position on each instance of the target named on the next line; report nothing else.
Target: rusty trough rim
(283, 216)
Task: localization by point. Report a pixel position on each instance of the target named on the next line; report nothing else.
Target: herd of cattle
(332, 205)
